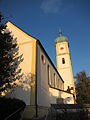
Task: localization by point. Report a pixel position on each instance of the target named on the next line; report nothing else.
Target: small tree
(83, 88)
(9, 59)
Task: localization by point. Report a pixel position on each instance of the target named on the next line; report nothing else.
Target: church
(48, 84)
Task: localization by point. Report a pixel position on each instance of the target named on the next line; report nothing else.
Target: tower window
(63, 61)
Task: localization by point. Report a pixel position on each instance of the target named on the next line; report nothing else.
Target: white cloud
(51, 6)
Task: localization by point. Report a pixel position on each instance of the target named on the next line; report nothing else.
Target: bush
(9, 106)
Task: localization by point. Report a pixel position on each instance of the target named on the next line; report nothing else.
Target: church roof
(61, 38)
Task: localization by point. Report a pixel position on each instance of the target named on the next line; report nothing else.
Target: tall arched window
(58, 83)
(63, 60)
(43, 59)
(49, 74)
(55, 82)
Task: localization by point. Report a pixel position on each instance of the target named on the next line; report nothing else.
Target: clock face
(61, 47)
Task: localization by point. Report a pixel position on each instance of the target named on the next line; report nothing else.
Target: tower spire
(60, 31)
(61, 38)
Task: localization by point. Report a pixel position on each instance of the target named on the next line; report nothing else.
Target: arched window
(58, 83)
(63, 61)
(55, 83)
(49, 74)
(43, 59)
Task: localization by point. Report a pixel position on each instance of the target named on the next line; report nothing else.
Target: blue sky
(43, 18)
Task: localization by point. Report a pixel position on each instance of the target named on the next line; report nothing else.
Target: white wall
(21, 94)
(25, 43)
(45, 94)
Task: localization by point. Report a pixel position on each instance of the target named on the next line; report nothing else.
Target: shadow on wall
(23, 89)
(27, 81)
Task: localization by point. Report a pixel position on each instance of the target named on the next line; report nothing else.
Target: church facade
(48, 84)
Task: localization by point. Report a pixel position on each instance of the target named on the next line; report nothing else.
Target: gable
(27, 48)
(22, 37)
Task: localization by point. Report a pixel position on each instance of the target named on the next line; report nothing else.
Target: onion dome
(61, 38)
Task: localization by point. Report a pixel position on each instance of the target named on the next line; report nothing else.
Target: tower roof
(61, 38)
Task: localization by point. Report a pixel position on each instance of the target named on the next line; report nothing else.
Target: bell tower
(63, 60)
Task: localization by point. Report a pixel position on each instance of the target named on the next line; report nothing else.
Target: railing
(15, 115)
(68, 112)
